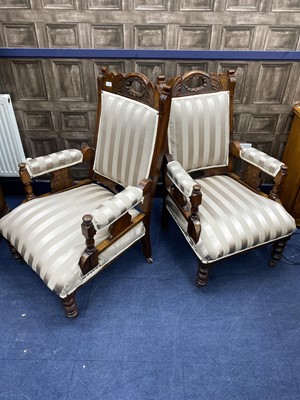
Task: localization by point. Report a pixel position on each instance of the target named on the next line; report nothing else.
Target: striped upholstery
(233, 219)
(115, 207)
(266, 163)
(62, 159)
(198, 135)
(47, 233)
(126, 138)
(180, 178)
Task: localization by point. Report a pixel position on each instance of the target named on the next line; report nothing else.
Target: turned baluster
(274, 194)
(194, 226)
(89, 258)
(26, 180)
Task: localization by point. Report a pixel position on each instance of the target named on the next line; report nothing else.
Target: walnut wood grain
(290, 187)
(61, 180)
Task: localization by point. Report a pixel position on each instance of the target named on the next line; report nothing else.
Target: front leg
(202, 274)
(70, 305)
(277, 250)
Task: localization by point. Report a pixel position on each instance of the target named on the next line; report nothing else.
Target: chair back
(127, 127)
(201, 119)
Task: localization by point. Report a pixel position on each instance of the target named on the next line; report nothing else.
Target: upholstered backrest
(126, 139)
(198, 135)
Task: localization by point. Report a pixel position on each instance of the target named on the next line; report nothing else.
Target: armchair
(71, 234)
(220, 212)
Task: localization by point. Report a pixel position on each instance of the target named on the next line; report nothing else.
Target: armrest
(51, 162)
(261, 160)
(117, 206)
(181, 179)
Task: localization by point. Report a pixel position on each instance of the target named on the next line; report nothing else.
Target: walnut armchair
(220, 212)
(71, 234)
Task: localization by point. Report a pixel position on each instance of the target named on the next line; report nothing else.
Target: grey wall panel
(282, 38)
(55, 99)
(272, 81)
(63, 35)
(59, 4)
(38, 121)
(194, 37)
(285, 5)
(15, 4)
(104, 5)
(68, 78)
(237, 37)
(20, 35)
(150, 37)
(29, 78)
(107, 36)
(199, 5)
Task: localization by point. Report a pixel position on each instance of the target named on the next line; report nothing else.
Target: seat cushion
(47, 233)
(233, 219)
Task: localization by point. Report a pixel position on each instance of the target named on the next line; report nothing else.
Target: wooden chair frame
(198, 82)
(137, 87)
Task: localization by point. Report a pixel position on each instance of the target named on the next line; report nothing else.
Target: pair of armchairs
(72, 233)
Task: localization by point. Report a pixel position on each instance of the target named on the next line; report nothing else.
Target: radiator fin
(11, 149)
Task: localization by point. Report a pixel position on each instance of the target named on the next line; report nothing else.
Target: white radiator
(11, 149)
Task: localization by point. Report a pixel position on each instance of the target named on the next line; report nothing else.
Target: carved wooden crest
(196, 82)
(135, 86)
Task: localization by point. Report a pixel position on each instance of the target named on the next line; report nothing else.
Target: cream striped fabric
(115, 207)
(62, 159)
(266, 163)
(198, 135)
(233, 219)
(47, 233)
(180, 178)
(126, 139)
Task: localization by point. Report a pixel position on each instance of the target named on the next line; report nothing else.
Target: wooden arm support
(250, 176)
(88, 153)
(89, 258)
(274, 193)
(116, 230)
(146, 186)
(27, 182)
(190, 214)
(62, 179)
(194, 225)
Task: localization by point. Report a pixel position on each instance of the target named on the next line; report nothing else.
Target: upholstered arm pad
(51, 162)
(181, 179)
(261, 160)
(117, 206)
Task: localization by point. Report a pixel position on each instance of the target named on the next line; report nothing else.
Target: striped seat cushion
(233, 219)
(126, 139)
(198, 134)
(47, 233)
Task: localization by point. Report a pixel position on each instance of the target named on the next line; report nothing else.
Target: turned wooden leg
(146, 241)
(164, 216)
(70, 306)
(202, 274)
(277, 250)
(146, 244)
